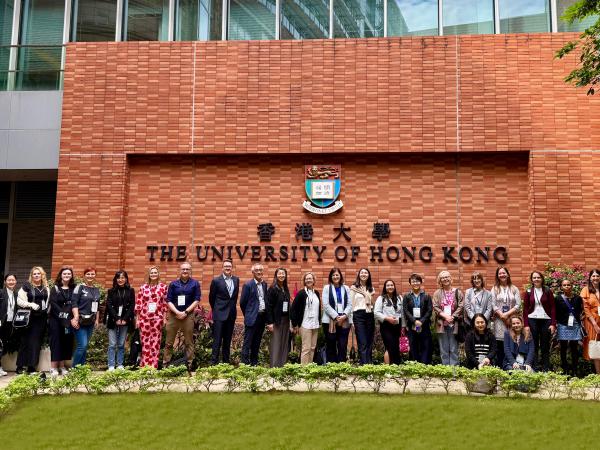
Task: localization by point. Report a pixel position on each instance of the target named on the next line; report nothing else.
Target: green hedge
(330, 376)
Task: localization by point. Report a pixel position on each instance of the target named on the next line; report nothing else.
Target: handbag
(21, 319)
(594, 348)
(352, 356)
(87, 319)
(404, 344)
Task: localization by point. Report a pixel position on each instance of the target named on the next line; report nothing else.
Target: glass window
(41, 40)
(561, 7)
(251, 19)
(412, 17)
(147, 20)
(198, 20)
(94, 20)
(304, 19)
(357, 18)
(468, 16)
(531, 16)
(6, 16)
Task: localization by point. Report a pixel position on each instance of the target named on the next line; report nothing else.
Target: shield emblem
(322, 184)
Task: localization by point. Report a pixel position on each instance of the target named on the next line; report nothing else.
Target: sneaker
(2, 372)
(64, 371)
(111, 368)
(121, 367)
(53, 373)
(19, 371)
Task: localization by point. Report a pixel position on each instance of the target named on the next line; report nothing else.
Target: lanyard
(571, 309)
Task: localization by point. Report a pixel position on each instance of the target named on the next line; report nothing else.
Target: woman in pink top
(150, 310)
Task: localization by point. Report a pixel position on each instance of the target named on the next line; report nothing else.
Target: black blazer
(562, 310)
(126, 299)
(426, 307)
(223, 305)
(249, 301)
(4, 304)
(299, 305)
(274, 307)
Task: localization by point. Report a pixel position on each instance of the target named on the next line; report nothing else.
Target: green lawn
(297, 420)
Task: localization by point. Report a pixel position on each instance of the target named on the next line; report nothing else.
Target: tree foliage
(587, 73)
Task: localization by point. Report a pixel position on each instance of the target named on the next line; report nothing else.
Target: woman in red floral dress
(150, 310)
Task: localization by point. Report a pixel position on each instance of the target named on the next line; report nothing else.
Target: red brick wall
(370, 105)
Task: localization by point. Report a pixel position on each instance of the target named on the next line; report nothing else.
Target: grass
(297, 420)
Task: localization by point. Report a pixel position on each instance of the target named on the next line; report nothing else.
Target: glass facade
(251, 19)
(93, 20)
(304, 19)
(357, 18)
(468, 16)
(531, 16)
(40, 54)
(146, 20)
(412, 17)
(6, 17)
(580, 25)
(198, 20)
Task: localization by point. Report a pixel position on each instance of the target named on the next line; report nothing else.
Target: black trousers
(252, 339)
(336, 343)
(390, 334)
(31, 342)
(541, 341)
(421, 345)
(222, 334)
(364, 326)
(6, 331)
(574, 347)
(499, 353)
(61, 343)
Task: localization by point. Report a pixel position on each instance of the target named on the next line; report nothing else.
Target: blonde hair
(43, 272)
(440, 275)
(304, 277)
(147, 277)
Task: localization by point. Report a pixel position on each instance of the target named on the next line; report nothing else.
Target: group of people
(499, 326)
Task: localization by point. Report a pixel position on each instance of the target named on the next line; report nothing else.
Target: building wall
(500, 149)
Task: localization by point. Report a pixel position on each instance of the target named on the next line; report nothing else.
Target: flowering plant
(554, 273)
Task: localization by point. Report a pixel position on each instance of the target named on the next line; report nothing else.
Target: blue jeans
(448, 347)
(82, 336)
(116, 344)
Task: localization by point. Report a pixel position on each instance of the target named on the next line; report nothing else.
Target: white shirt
(261, 296)
(11, 305)
(310, 321)
(538, 312)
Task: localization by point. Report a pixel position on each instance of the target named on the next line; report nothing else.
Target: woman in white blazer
(337, 316)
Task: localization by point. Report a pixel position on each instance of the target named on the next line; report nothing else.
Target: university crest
(323, 185)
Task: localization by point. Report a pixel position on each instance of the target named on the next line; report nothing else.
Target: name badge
(448, 310)
(94, 307)
(152, 307)
(285, 306)
(417, 313)
(480, 358)
(181, 300)
(339, 308)
(520, 359)
(505, 309)
(571, 320)
(120, 311)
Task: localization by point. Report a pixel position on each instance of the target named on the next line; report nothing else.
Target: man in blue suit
(222, 297)
(252, 303)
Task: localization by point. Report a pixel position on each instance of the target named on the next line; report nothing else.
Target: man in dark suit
(222, 297)
(252, 303)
